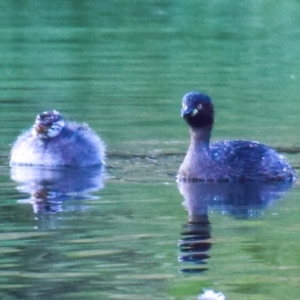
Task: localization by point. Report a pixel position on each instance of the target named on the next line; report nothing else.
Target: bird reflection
(195, 243)
(50, 187)
(242, 200)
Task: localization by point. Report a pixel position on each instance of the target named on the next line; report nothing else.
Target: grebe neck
(200, 137)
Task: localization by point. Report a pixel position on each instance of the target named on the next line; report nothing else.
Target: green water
(123, 67)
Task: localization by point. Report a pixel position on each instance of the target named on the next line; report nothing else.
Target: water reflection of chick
(49, 188)
(243, 200)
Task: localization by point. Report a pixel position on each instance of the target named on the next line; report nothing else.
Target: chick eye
(199, 106)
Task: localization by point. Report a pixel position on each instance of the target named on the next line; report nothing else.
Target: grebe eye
(199, 106)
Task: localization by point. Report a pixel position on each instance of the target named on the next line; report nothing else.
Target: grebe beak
(189, 112)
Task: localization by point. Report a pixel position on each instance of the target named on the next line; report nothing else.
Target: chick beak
(40, 129)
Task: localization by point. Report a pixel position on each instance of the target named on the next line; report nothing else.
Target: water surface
(123, 68)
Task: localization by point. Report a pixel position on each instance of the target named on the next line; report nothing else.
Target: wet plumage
(236, 160)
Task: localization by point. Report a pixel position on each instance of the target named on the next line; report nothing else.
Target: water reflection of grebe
(50, 187)
(195, 243)
(242, 200)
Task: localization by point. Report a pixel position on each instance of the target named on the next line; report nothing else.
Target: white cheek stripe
(55, 129)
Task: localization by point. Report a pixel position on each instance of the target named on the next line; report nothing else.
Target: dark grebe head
(48, 124)
(197, 110)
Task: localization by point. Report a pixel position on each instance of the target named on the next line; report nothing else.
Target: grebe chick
(52, 141)
(236, 160)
